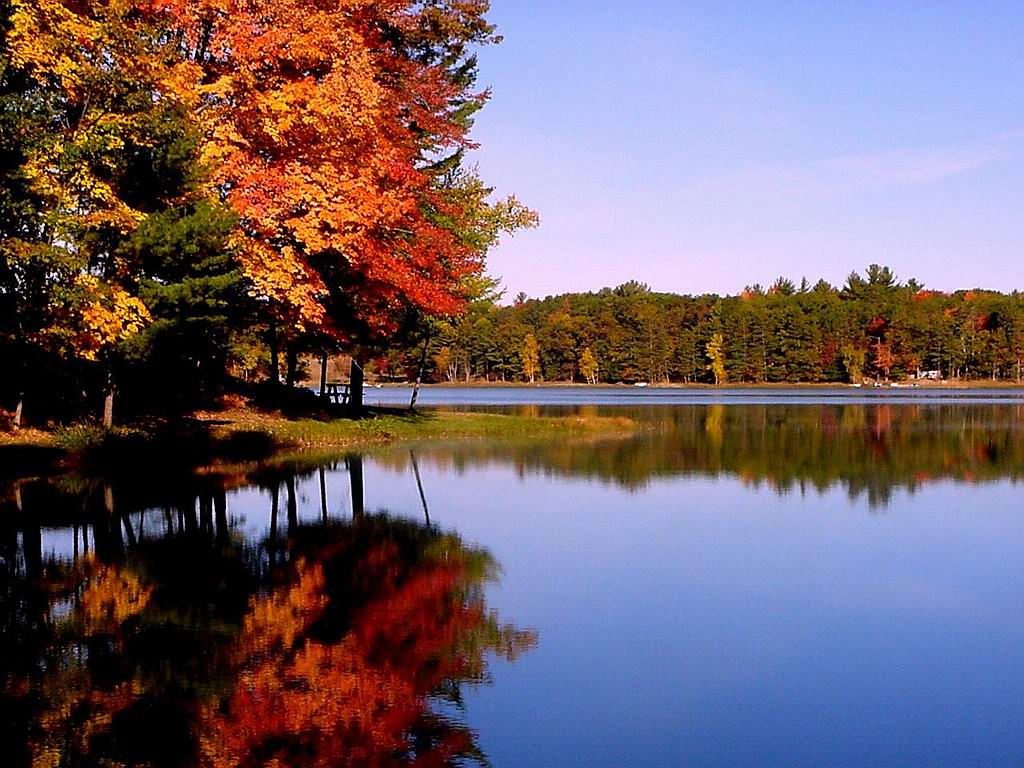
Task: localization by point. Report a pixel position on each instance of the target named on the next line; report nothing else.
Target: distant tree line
(872, 327)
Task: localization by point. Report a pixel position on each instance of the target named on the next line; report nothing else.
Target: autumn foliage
(314, 122)
(330, 136)
(358, 701)
(340, 660)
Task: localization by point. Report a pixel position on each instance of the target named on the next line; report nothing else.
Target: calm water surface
(541, 395)
(777, 584)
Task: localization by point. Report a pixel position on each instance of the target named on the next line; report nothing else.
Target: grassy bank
(248, 435)
(391, 427)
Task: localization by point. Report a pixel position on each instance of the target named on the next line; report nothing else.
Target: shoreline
(214, 440)
(249, 434)
(962, 384)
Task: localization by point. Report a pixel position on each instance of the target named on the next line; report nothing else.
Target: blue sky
(702, 146)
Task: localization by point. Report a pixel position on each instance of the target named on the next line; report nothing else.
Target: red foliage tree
(324, 123)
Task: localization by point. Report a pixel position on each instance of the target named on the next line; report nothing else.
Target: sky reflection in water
(736, 585)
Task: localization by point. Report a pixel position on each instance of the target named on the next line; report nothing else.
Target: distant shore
(909, 384)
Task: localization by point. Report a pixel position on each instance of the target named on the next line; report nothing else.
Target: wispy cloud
(818, 181)
(923, 165)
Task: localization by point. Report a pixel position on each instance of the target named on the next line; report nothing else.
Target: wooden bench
(337, 393)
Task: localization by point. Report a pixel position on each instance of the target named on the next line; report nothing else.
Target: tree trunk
(419, 373)
(292, 360)
(113, 542)
(355, 476)
(206, 514)
(32, 547)
(355, 386)
(323, 495)
(293, 509)
(108, 399)
(275, 360)
(323, 373)
(129, 533)
(20, 407)
(220, 507)
(187, 513)
(419, 487)
(275, 503)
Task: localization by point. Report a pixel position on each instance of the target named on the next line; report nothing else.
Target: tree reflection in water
(170, 638)
(183, 643)
(869, 450)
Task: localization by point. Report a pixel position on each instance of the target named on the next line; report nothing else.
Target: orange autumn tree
(328, 125)
(331, 139)
(337, 656)
(324, 683)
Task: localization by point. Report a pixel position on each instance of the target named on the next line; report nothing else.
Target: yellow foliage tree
(715, 350)
(529, 355)
(588, 366)
(95, 70)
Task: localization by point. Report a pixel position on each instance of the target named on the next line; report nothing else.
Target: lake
(569, 396)
(752, 579)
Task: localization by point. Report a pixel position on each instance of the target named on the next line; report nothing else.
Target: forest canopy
(196, 194)
(190, 187)
(875, 326)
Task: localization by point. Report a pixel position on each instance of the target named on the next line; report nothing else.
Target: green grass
(375, 430)
(245, 436)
